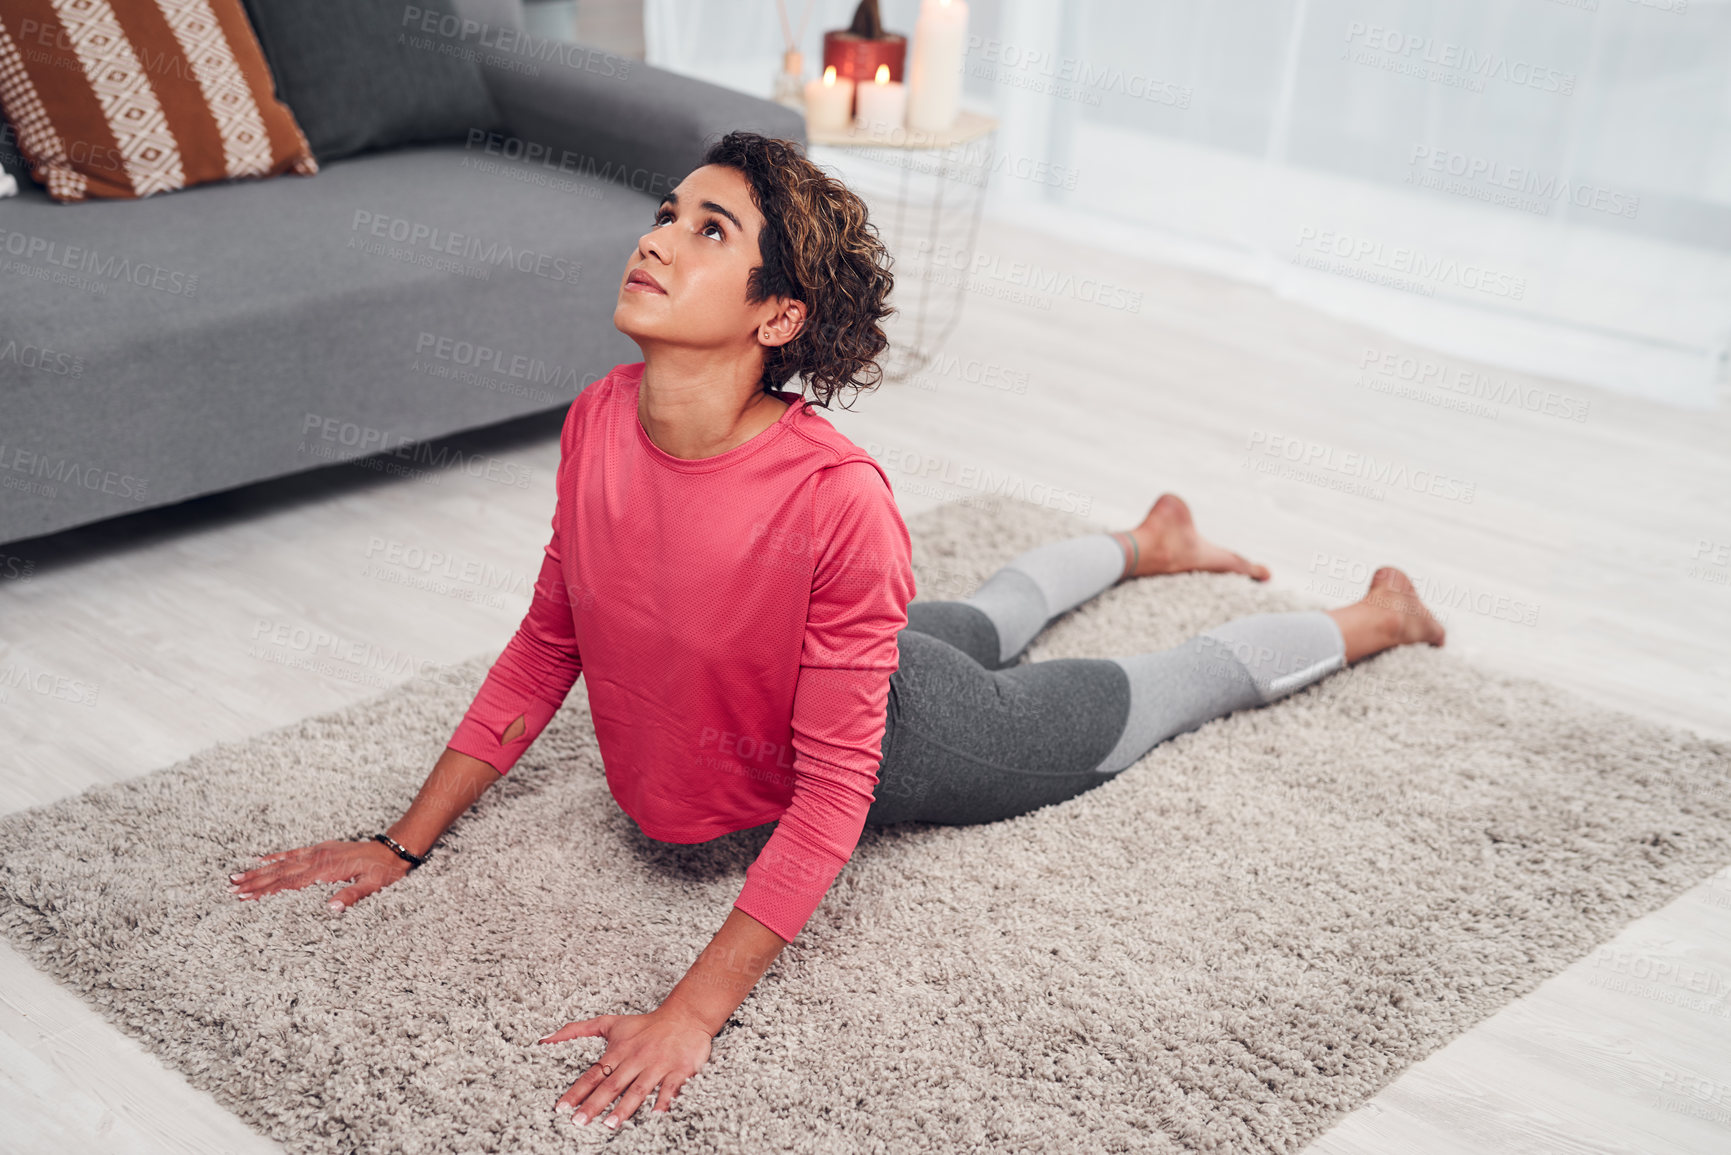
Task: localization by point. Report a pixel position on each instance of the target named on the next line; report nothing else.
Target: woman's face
(700, 247)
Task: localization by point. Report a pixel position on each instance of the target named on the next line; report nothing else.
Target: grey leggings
(971, 736)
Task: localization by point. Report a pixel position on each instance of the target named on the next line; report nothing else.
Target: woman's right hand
(371, 865)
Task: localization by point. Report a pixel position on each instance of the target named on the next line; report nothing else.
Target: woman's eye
(713, 224)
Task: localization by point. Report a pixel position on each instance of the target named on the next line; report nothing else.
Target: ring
(606, 1070)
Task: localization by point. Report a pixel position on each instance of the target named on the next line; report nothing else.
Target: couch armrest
(623, 119)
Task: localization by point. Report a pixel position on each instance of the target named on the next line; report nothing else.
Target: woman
(734, 577)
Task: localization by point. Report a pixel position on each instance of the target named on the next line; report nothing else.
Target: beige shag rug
(1222, 949)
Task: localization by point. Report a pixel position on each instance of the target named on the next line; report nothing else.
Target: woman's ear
(784, 326)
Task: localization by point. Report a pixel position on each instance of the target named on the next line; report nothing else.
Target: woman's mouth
(640, 281)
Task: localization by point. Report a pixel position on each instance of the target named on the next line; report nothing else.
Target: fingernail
(334, 904)
(580, 1119)
(613, 1122)
(562, 1108)
(234, 878)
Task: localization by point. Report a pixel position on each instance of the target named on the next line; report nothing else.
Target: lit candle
(883, 105)
(935, 75)
(828, 102)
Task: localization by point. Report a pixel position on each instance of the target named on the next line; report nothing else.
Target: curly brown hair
(819, 248)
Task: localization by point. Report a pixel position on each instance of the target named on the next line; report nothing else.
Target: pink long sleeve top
(736, 616)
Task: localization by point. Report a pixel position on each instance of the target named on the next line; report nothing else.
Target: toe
(1249, 568)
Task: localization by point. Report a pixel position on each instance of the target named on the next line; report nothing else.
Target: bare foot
(1390, 614)
(1167, 542)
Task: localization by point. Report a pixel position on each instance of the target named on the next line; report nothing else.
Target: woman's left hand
(663, 1047)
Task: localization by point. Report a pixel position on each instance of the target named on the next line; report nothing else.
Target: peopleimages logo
(1363, 468)
(368, 440)
(1710, 561)
(926, 468)
(48, 684)
(1067, 77)
(515, 42)
(40, 473)
(146, 275)
(1448, 62)
(39, 42)
(486, 359)
(1363, 254)
(41, 358)
(1527, 189)
(977, 268)
(463, 246)
(568, 163)
(1334, 576)
(1423, 373)
(349, 659)
(945, 366)
(440, 564)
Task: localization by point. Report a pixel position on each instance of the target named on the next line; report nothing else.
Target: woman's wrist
(454, 784)
(386, 855)
(406, 839)
(399, 850)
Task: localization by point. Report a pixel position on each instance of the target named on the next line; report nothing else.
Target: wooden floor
(188, 623)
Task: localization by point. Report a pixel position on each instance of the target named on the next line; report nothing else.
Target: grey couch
(194, 341)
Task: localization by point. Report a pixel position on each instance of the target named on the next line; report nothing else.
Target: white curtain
(1541, 184)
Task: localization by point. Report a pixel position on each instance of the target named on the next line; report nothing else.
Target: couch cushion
(127, 100)
(373, 74)
(187, 344)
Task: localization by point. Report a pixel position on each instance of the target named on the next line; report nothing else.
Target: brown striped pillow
(126, 98)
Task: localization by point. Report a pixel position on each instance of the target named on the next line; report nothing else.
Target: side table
(916, 218)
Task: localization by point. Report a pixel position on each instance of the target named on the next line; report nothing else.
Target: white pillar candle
(883, 104)
(828, 102)
(935, 76)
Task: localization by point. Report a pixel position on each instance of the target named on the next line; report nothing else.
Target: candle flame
(883, 76)
(829, 76)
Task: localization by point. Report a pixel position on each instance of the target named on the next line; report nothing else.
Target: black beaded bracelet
(413, 860)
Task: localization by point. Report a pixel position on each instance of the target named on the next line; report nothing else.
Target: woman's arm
(456, 781)
(725, 971)
(534, 674)
(452, 787)
(668, 1045)
(862, 582)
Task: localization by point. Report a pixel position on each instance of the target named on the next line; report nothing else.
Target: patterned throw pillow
(127, 98)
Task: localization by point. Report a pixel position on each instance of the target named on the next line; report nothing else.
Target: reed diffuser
(790, 81)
